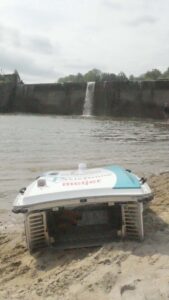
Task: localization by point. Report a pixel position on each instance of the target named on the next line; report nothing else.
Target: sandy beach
(120, 270)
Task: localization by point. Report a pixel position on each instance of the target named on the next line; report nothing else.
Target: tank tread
(132, 215)
(36, 230)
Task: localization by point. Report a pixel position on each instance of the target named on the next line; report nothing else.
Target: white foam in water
(88, 103)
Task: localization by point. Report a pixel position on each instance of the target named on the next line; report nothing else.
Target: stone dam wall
(7, 92)
(57, 99)
(146, 99)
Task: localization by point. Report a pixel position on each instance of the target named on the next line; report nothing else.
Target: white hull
(80, 208)
(69, 188)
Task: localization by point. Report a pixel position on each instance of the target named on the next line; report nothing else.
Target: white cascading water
(88, 103)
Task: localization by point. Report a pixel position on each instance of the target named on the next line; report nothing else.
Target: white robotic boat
(83, 207)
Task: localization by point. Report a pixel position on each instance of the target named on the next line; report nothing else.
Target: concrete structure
(57, 99)
(147, 99)
(8, 84)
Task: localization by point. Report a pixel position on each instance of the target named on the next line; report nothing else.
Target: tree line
(97, 75)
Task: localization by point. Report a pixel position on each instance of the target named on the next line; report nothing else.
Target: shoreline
(119, 270)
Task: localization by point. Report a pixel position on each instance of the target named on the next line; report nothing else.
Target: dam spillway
(89, 97)
(145, 99)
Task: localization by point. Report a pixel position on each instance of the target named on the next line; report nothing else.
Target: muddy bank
(120, 270)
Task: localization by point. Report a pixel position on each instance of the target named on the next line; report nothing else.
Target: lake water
(32, 144)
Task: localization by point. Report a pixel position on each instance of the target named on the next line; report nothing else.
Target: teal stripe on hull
(125, 179)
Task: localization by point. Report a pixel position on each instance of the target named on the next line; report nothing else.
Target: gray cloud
(113, 5)
(90, 30)
(143, 20)
(9, 35)
(82, 68)
(74, 36)
(10, 60)
(19, 51)
(35, 43)
(39, 44)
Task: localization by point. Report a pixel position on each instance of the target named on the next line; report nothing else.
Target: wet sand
(120, 270)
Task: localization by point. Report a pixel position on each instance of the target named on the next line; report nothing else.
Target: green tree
(108, 77)
(151, 75)
(97, 75)
(93, 75)
(79, 77)
(122, 76)
(69, 78)
(165, 75)
(132, 78)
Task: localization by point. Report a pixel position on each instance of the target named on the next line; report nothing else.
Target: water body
(31, 145)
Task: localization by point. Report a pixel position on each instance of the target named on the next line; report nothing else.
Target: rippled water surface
(30, 145)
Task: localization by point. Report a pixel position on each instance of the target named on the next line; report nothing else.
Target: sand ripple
(120, 270)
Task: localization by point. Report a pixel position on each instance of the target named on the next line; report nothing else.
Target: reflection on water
(33, 144)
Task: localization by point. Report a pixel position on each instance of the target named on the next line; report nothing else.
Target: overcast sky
(44, 40)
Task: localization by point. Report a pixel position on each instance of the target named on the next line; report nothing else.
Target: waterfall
(88, 102)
